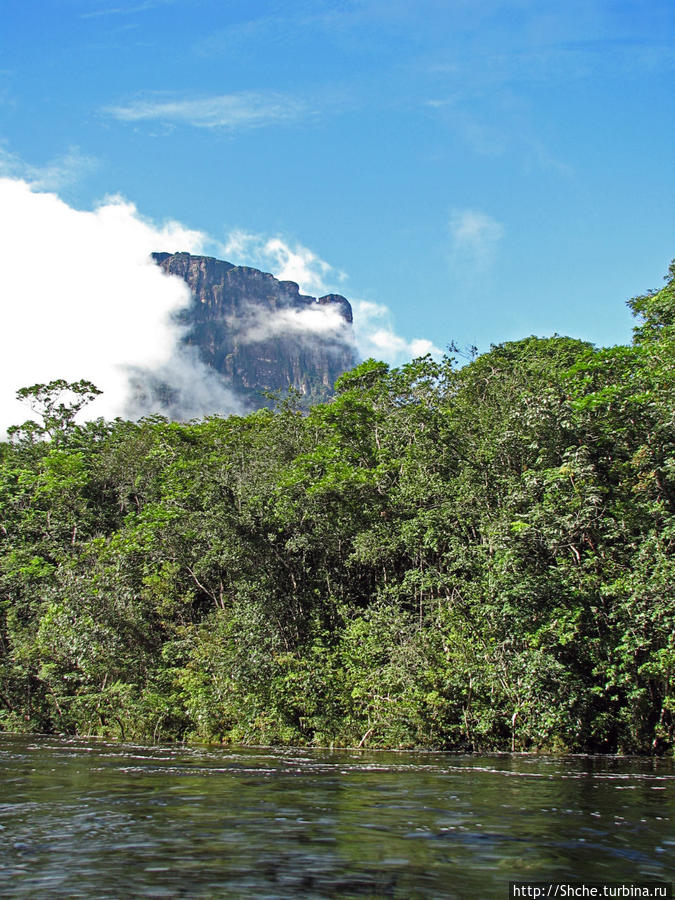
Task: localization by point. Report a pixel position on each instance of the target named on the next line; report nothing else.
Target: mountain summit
(260, 333)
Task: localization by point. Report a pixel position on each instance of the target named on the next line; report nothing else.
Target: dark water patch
(81, 819)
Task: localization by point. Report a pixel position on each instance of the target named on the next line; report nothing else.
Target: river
(96, 820)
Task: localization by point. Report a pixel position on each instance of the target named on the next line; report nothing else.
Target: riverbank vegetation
(475, 557)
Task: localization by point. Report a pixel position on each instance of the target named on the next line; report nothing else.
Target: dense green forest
(471, 556)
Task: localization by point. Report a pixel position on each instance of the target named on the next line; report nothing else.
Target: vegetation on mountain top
(476, 557)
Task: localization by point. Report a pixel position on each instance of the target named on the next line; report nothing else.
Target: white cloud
(298, 264)
(246, 109)
(58, 173)
(324, 322)
(376, 337)
(288, 261)
(475, 236)
(81, 298)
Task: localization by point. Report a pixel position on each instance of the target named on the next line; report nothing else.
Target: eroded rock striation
(261, 333)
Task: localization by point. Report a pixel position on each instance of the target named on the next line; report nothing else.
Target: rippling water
(80, 819)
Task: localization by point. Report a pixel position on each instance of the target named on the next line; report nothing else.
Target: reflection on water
(80, 819)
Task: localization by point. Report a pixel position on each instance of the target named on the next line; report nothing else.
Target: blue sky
(485, 170)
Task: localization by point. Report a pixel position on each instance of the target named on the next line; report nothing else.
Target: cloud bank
(81, 298)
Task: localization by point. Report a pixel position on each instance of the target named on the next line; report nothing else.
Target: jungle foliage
(469, 557)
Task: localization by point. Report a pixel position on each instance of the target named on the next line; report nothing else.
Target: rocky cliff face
(260, 333)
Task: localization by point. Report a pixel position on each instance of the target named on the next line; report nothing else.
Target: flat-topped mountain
(261, 333)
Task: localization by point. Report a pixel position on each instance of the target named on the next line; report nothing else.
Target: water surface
(83, 819)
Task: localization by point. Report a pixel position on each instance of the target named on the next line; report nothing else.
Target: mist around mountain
(258, 334)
